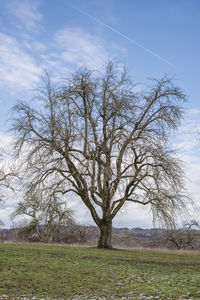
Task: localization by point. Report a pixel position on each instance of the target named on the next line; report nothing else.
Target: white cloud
(26, 11)
(68, 49)
(80, 48)
(17, 68)
(71, 48)
(5, 140)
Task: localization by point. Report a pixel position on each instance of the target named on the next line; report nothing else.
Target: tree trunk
(105, 236)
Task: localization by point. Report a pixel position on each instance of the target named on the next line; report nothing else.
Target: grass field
(61, 272)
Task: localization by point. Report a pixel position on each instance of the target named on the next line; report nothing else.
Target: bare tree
(48, 213)
(191, 236)
(185, 237)
(175, 237)
(96, 136)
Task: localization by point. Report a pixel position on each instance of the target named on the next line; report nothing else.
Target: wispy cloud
(17, 67)
(25, 11)
(72, 47)
(68, 49)
(75, 46)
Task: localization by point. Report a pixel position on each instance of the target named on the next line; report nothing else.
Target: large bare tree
(98, 136)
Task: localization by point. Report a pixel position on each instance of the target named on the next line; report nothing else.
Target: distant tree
(176, 237)
(96, 136)
(183, 238)
(48, 215)
(78, 233)
(191, 227)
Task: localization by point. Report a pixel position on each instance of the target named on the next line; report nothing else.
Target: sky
(150, 37)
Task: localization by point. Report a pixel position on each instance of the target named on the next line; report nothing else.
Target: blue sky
(150, 37)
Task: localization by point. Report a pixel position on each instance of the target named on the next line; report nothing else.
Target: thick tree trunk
(105, 236)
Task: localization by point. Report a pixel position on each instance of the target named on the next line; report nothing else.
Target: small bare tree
(49, 214)
(97, 137)
(185, 237)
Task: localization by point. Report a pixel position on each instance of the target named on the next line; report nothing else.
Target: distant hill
(121, 237)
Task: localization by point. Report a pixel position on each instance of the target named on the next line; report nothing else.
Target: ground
(63, 272)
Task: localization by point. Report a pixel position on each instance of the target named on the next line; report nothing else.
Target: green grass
(61, 272)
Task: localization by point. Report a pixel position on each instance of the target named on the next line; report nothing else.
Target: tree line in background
(99, 137)
(187, 237)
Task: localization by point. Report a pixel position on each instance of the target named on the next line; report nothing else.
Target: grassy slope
(68, 272)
